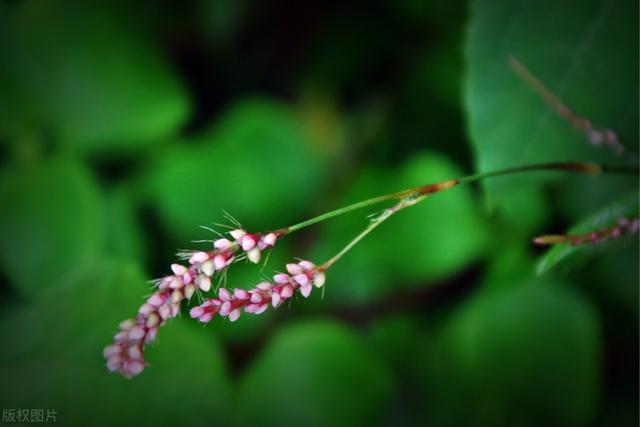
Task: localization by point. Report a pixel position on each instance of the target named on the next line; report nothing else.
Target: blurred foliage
(124, 127)
(572, 47)
(317, 374)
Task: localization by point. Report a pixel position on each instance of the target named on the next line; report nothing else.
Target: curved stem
(404, 203)
(586, 168)
(415, 195)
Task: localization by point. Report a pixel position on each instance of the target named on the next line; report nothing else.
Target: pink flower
(303, 276)
(126, 354)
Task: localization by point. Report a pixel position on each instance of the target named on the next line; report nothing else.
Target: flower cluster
(126, 354)
(606, 136)
(302, 277)
(624, 226)
(203, 265)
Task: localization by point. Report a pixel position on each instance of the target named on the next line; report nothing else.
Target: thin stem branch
(404, 203)
(413, 196)
(587, 168)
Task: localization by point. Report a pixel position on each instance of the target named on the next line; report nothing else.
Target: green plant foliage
(428, 242)
(564, 44)
(315, 373)
(257, 163)
(570, 255)
(525, 355)
(81, 71)
(58, 364)
(50, 223)
(125, 238)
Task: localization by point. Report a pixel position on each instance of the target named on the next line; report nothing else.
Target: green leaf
(525, 355)
(125, 237)
(572, 256)
(86, 72)
(562, 43)
(424, 243)
(257, 164)
(52, 358)
(51, 222)
(314, 374)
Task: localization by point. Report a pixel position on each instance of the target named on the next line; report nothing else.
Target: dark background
(124, 126)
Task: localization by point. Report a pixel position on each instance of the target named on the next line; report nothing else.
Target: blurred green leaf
(427, 242)
(88, 73)
(257, 164)
(52, 358)
(314, 374)
(564, 44)
(125, 237)
(50, 223)
(570, 255)
(526, 355)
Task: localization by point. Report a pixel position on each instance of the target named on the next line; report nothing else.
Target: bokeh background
(124, 126)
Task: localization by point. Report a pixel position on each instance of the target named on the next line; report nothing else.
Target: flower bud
(254, 255)
(204, 283)
(189, 290)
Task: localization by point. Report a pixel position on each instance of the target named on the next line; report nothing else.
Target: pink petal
(248, 242)
(206, 317)
(233, 316)
(208, 267)
(136, 333)
(287, 291)
(301, 279)
(264, 286)
(281, 278)
(204, 283)
(224, 294)
(305, 290)
(306, 265)
(196, 312)
(262, 308)
(220, 262)
(157, 300)
(110, 350)
(238, 233)
(198, 257)
(294, 269)
(222, 243)
(241, 294)
(178, 269)
(275, 299)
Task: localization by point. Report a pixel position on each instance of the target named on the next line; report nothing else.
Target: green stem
(404, 203)
(359, 205)
(415, 195)
(588, 168)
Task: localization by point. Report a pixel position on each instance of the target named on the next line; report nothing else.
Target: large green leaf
(424, 243)
(573, 255)
(585, 52)
(52, 358)
(86, 73)
(257, 163)
(526, 355)
(314, 374)
(50, 222)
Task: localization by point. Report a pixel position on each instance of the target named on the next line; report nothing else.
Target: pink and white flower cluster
(302, 277)
(204, 264)
(126, 354)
